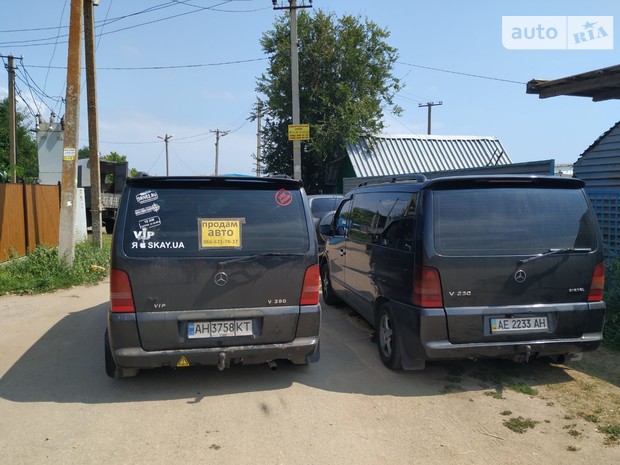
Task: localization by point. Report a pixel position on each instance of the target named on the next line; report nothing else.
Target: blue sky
(440, 45)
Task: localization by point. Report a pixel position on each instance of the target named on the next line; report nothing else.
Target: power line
(162, 67)
(197, 9)
(34, 100)
(55, 44)
(461, 73)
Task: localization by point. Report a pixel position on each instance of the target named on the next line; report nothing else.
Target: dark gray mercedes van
(469, 267)
(212, 271)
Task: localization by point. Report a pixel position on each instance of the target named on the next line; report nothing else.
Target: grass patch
(41, 271)
(497, 394)
(506, 413)
(612, 432)
(591, 418)
(450, 388)
(519, 424)
(572, 448)
(523, 389)
(572, 431)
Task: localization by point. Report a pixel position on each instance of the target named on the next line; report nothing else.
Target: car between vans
(469, 267)
(212, 271)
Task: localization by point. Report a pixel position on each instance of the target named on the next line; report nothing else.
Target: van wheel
(111, 368)
(110, 364)
(109, 226)
(388, 340)
(326, 287)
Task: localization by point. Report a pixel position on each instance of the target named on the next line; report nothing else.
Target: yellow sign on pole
(298, 132)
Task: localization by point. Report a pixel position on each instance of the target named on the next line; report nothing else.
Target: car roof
(215, 182)
(410, 184)
(325, 196)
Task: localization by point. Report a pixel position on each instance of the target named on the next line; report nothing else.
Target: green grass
(523, 389)
(612, 432)
(40, 270)
(519, 424)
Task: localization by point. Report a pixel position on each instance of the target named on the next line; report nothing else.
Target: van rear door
(215, 264)
(516, 257)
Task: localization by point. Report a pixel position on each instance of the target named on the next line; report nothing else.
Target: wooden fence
(29, 216)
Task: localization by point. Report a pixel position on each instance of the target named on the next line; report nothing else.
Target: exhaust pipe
(272, 365)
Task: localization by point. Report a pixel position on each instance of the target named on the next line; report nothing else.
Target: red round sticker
(284, 197)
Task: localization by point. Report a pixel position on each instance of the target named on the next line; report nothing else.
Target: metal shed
(385, 155)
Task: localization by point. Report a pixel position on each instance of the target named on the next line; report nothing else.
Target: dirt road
(58, 406)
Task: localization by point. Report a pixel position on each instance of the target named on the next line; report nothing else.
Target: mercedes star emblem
(520, 276)
(221, 279)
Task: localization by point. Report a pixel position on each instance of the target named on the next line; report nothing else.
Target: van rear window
(507, 221)
(214, 222)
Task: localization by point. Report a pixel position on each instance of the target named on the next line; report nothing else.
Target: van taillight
(427, 287)
(598, 283)
(310, 291)
(121, 296)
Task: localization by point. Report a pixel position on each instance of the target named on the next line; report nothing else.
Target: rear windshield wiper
(556, 252)
(249, 258)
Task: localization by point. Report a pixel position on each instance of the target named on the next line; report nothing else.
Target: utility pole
(166, 138)
(218, 134)
(294, 77)
(258, 136)
(68, 192)
(93, 129)
(12, 121)
(429, 105)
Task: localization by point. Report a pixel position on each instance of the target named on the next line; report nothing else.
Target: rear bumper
(446, 350)
(425, 337)
(297, 351)
(128, 353)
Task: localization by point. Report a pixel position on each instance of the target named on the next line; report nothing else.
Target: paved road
(57, 406)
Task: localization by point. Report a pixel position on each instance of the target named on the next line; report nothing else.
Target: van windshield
(214, 222)
(511, 221)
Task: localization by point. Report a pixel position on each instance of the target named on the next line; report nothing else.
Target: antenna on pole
(218, 134)
(429, 105)
(166, 138)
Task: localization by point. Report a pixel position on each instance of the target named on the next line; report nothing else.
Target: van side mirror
(325, 230)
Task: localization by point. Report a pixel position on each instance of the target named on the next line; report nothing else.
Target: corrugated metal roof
(532, 168)
(385, 155)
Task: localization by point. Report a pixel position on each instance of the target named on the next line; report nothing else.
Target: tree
(84, 153)
(345, 82)
(27, 168)
(115, 157)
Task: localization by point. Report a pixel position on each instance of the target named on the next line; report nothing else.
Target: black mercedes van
(212, 271)
(469, 267)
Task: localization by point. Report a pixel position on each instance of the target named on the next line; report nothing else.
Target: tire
(388, 340)
(326, 287)
(109, 226)
(110, 364)
(111, 368)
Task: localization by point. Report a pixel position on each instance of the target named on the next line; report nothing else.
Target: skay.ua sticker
(218, 233)
(146, 197)
(158, 245)
(284, 197)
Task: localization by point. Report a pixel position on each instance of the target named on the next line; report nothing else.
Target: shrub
(41, 271)
(612, 300)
